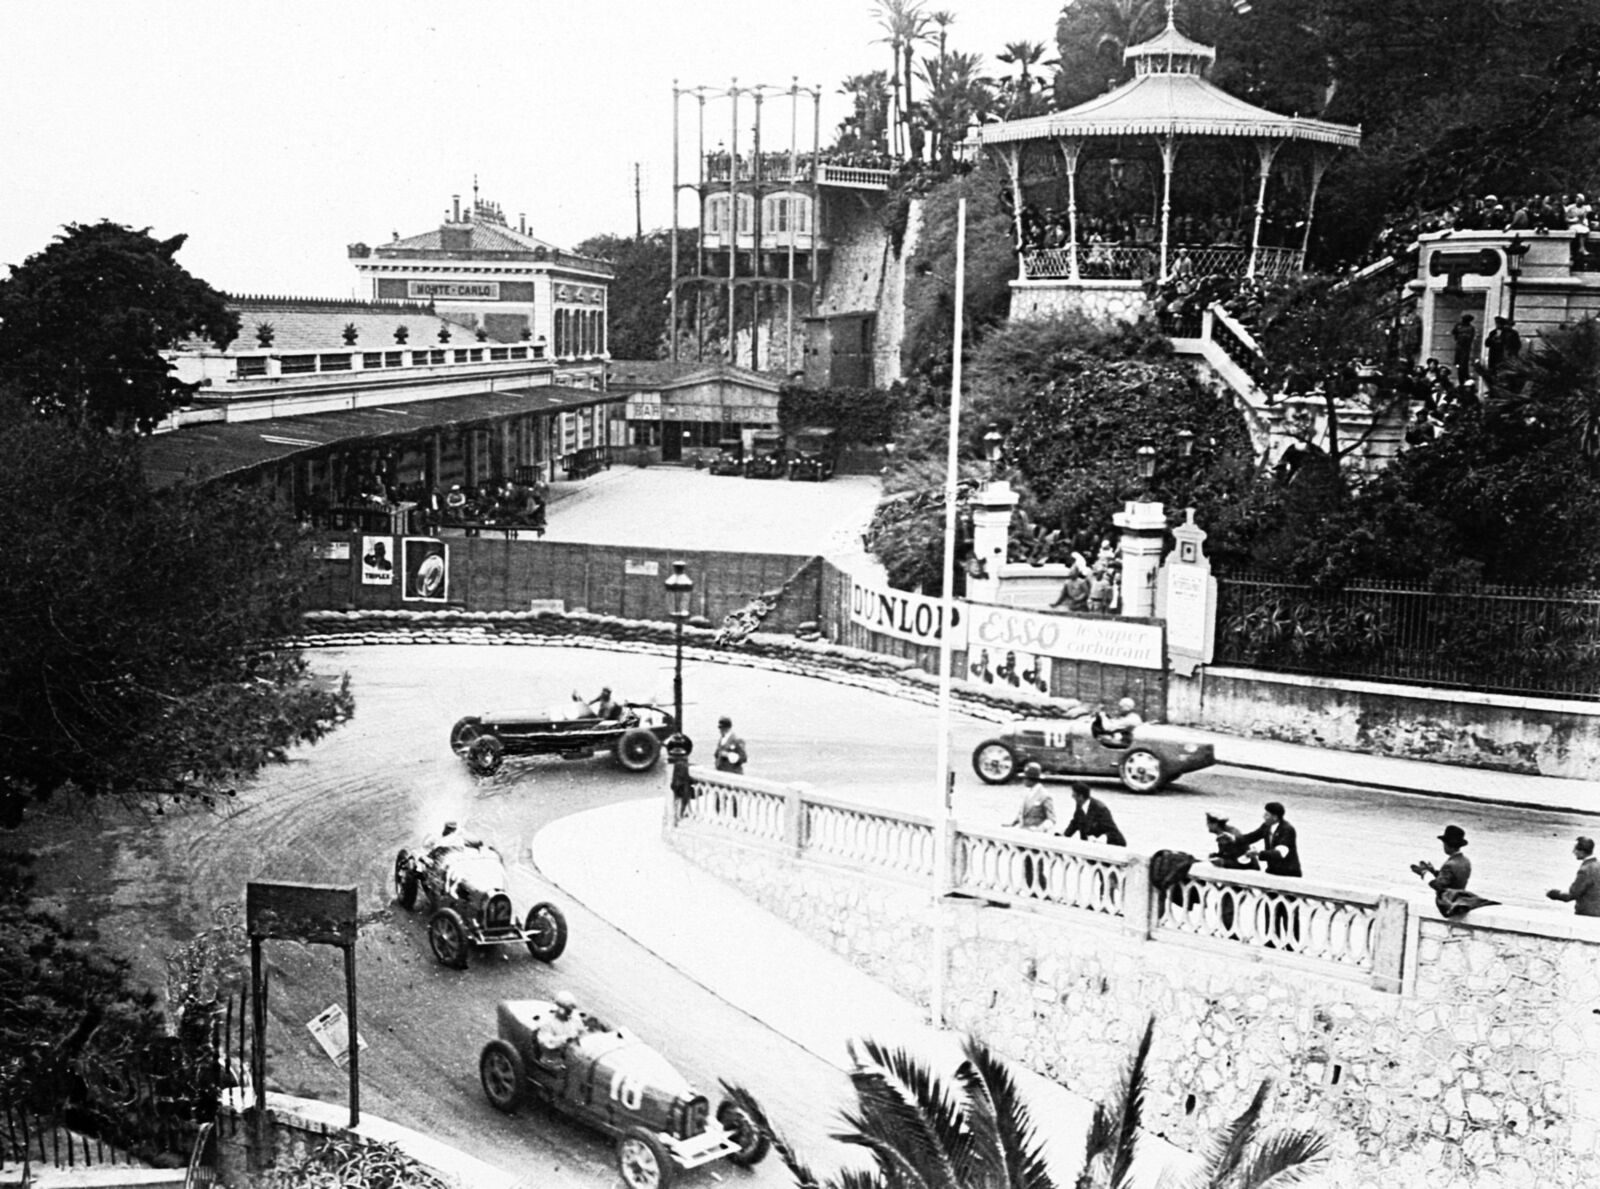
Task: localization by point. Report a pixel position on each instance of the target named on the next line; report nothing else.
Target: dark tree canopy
(139, 653)
(637, 308)
(83, 325)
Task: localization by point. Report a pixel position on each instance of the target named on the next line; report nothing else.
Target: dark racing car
(1144, 759)
(465, 884)
(611, 1080)
(634, 738)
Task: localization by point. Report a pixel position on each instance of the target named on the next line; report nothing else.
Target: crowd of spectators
(1536, 214)
(775, 166)
(505, 503)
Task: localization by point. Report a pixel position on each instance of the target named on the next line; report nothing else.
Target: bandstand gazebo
(1169, 103)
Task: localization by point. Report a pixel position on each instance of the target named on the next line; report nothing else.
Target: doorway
(671, 441)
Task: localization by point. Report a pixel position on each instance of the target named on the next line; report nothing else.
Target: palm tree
(1107, 27)
(869, 104)
(1553, 391)
(922, 1133)
(944, 19)
(956, 97)
(1024, 55)
(1237, 1156)
(978, 1133)
(907, 26)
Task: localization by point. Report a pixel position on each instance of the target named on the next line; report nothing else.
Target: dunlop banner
(1066, 637)
(904, 615)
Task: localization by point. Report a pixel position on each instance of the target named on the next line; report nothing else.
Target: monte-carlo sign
(478, 290)
(1106, 639)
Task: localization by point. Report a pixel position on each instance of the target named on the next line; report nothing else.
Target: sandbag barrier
(580, 629)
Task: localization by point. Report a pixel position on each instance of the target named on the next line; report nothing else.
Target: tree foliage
(141, 650)
(638, 306)
(83, 325)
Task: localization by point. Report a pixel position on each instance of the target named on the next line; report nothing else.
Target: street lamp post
(991, 450)
(1146, 456)
(679, 587)
(1515, 251)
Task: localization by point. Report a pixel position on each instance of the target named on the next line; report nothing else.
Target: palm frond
(1130, 1109)
(1224, 1152)
(893, 1165)
(904, 1106)
(992, 1085)
(1282, 1159)
(798, 1169)
(926, 1091)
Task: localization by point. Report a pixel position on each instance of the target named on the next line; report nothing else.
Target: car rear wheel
(485, 754)
(642, 1161)
(405, 881)
(637, 750)
(994, 761)
(1141, 771)
(504, 1078)
(463, 733)
(547, 931)
(448, 938)
(752, 1141)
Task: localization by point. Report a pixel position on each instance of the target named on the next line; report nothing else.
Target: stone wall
(865, 275)
(1480, 1073)
(1534, 736)
(1105, 301)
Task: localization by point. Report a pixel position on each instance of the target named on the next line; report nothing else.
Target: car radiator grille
(694, 1117)
(497, 913)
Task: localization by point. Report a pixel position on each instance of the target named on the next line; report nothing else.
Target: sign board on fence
(1186, 597)
(904, 615)
(331, 1030)
(333, 550)
(301, 912)
(650, 569)
(1108, 640)
(559, 606)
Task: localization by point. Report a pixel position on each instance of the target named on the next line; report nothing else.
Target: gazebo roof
(1167, 96)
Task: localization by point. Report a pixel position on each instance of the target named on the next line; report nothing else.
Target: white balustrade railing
(1000, 863)
(739, 805)
(1326, 924)
(1354, 933)
(898, 843)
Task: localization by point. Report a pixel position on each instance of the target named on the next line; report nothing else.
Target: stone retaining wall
(1480, 1073)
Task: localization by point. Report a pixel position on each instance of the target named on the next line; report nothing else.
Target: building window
(335, 363)
(371, 359)
(519, 352)
(251, 366)
(499, 354)
(299, 365)
(392, 358)
(747, 209)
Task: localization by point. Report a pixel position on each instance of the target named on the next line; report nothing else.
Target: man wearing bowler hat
(1280, 851)
(1456, 870)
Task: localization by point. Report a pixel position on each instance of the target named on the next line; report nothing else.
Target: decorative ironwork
(1106, 262)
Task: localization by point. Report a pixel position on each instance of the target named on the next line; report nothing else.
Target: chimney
(522, 223)
(455, 208)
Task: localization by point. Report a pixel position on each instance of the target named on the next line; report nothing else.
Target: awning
(211, 450)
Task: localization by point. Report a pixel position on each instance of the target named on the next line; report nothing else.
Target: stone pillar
(1144, 533)
(992, 507)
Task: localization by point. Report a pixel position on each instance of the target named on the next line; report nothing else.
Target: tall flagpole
(941, 817)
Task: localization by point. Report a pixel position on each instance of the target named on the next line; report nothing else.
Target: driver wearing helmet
(1117, 729)
(560, 1028)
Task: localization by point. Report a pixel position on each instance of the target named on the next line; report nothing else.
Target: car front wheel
(463, 733)
(994, 762)
(485, 754)
(405, 881)
(448, 938)
(752, 1141)
(1141, 771)
(638, 749)
(642, 1161)
(504, 1079)
(546, 928)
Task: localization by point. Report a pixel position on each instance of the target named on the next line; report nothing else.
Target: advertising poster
(1009, 668)
(377, 561)
(426, 564)
(904, 615)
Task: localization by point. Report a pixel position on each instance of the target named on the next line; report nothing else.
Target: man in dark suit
(1091, 819)
(1276, 836)
(731, 755)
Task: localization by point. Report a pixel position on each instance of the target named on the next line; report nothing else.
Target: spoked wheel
(463, 733)
(994, 762)
(485, 754)
(752, 1141)
(504, 1079)
(448, 938)
(638, 750)
(546, 927)
(405, 881)
(1141, 771)
(642, 1161)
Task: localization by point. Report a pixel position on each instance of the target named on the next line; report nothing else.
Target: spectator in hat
(1037, 811)
(1280, 849)
(1504, 344)
(731, 754)
(1091, 819)
(1465, 335)
(1231, 851)
(1456, 870)
(1585, 890)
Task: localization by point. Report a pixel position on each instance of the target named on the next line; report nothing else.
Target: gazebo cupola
(1119, 153)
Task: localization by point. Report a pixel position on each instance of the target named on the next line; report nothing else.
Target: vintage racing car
(611, 1080)
(484, 740)
(465, 883)
(1150, 757)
